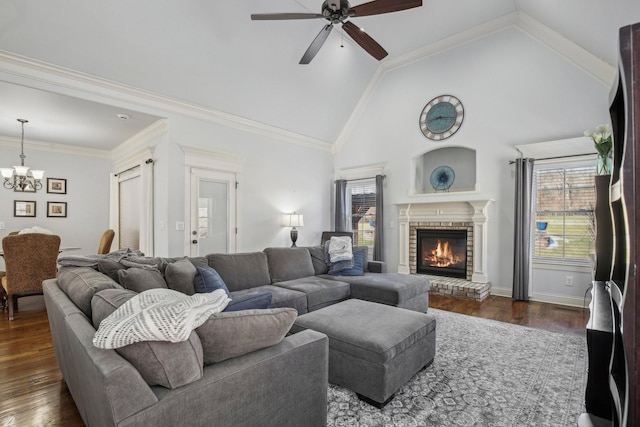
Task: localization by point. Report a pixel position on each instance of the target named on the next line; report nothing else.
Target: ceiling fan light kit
(339, 12)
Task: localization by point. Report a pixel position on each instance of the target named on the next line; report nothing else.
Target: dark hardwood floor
(33, 393)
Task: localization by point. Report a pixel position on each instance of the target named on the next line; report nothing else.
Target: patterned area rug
(485, 373)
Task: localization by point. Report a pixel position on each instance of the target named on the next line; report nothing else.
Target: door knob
(195, 242)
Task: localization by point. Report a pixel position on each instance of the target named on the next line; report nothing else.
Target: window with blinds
(361, 196)
(564, 226)
(130, 194)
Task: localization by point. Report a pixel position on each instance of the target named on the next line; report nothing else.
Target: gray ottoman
(374, 349)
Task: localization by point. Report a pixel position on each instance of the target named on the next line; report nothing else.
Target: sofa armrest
(377, 267)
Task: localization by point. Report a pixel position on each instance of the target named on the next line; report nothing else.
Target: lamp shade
(37, 174)
(21, 170)
(294, 220)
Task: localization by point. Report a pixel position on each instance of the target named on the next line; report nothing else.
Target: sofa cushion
(280, 297)
(110, 267)
(141, 279)
(358, 265)
(81, 283)
(167, 364)
(180, 276)
(317, 259)
(232, 334)
(242, 270)
(320, 292)
(208, 280)
(249, 302)
(386, 288)
(289, 263)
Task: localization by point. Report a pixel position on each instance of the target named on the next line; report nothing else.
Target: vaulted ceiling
(210, 55)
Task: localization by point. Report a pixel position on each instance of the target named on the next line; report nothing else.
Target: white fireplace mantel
(446, 210)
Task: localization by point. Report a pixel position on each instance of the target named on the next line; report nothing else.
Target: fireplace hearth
(442, 252)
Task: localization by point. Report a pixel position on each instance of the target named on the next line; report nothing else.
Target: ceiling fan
(339, 12)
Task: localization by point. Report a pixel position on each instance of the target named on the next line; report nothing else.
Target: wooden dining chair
(29, 260)
(105, 241)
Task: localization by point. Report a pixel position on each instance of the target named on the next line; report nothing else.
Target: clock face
(441, 117)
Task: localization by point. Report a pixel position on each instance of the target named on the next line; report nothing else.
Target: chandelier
(18, 177)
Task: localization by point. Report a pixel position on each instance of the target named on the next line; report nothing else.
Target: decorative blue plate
(442, 178)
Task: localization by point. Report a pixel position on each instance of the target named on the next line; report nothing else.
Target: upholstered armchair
(105, 241)
(29, 260)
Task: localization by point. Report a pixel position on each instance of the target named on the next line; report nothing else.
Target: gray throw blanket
(92, 260)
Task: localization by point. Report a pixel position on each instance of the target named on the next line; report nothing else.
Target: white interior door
(213, 212)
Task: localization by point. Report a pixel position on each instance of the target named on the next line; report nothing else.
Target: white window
(361, 197)
(564, 221)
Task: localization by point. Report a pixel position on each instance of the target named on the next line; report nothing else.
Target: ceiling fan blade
(316, 44)
(383, 6)
(282, 16)
(364, 40)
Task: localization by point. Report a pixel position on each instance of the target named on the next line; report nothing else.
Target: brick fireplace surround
(469, 215)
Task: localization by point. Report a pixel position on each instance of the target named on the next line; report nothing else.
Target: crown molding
(85, 83)
(140, 140)
(451, 42)
(358, 110)
(50, 147)
(581, 58)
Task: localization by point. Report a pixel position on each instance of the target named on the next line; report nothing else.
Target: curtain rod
(559, 157)
(146, 162)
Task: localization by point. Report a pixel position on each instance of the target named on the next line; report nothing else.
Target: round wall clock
(441, 117)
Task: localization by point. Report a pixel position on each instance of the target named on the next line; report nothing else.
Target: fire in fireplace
(442, 252)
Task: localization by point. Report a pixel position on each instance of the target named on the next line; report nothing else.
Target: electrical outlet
(568, 280)
(1, 225)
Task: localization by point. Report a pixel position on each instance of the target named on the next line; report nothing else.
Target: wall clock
(441, 117)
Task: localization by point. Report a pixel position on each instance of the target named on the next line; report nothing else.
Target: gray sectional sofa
(250, 389)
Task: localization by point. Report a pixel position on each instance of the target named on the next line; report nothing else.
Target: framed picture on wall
(57, 209)
(56, 185)
(24, 208)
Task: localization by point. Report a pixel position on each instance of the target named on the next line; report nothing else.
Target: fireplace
(442, 252)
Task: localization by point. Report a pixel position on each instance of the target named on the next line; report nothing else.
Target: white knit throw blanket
(158, 315)
(340, 248)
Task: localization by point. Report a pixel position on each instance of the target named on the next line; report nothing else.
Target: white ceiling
(210, 54)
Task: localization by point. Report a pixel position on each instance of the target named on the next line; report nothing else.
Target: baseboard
(547, 298)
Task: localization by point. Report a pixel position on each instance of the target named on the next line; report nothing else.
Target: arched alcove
(452, 169)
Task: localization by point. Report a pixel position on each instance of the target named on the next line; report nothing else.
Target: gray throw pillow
(141, 279)
(167, 364)
(180, 275)
(230, 334)
(110, 268)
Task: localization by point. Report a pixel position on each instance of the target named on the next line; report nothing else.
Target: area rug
(485, 373)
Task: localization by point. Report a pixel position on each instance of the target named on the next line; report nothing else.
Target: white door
(213, 212)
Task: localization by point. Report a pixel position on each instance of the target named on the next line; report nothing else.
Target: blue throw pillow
(208, 280)
(250, 302)
(358, 265)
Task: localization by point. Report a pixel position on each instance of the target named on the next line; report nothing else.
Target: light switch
(180, 226)
(1, 225)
